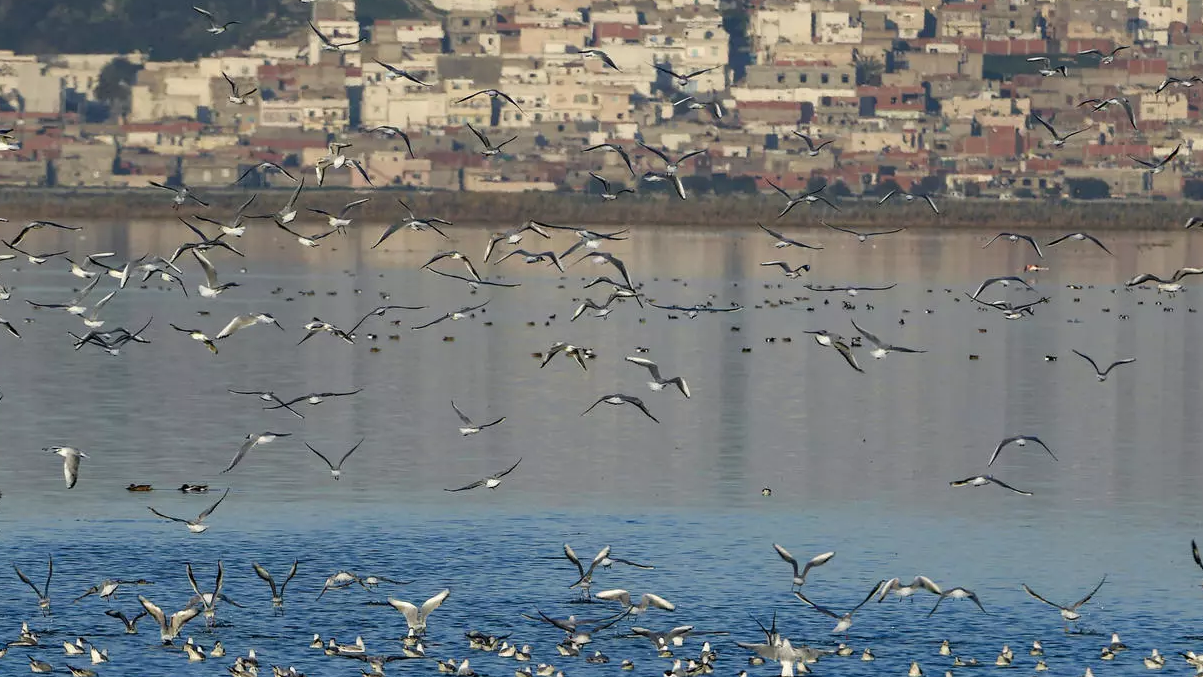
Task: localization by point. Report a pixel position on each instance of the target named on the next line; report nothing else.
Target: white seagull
(816, 561)
(336, 469)
(415, 617)
(490, 482)
(658, 382)
(471, 428)
(1102, 374)
(1019, 441)
(196, 526)
(253, 440)
(71, 458)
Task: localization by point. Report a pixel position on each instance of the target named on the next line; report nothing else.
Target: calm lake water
(858, 463)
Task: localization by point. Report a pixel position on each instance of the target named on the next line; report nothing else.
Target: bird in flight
(490, 482)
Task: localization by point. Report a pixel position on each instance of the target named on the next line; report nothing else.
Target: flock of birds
(202, 247)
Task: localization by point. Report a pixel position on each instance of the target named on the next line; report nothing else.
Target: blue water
(858, 464)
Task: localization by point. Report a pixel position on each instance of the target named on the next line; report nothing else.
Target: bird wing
(1113, 365)
(1086, 599)
(931, 203)
(475, 484)
(1194, 551)
(660, 154)
(868, 597)
(434, 602)
(1046, 125)
(842, 230)
(1004, 485)
(210, 509)
(483, 139)
(846, 352)
(642, 407)
(784, 554)
(350, 205)
(1034, 594)
(207, 266)
(263, 573)
(870, 337)
(816, 607)
(1087, 358)
(778, 189)
(192, 579)
(1096, 241)
(628, 562)
(167, 517)
(320, 35)
(319, 455)
(648, 364)
(26, 581)
(507, 470)
(153, 609)
(246, 446)
(657, 601)
(352, 451)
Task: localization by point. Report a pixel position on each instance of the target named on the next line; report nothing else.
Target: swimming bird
(469, 427)
(490, 482)
(328, 45)
(453, 316)
(910, 197)
(881, 348)
(252, 441)
(244, 321)
(1079, 237)
(263, 167)
(214, 27)
(959, 593)
(237, 98)
(131, 624)
(38, 225)
(809, 197)
(1019, 441)
(489, 150)
(619, 399)
(210, 288)
(71, 458)
(1058, 139)
(670, 166)
(394, 73)
(1016, 237)
(336, 470)
(1170, 286)
(1070, 612)
(682, 80)
(415, 224)
(44, 592)
(896, 586)
(196, 526)
(416, 617)
(1102, 375)
(1156, 166)
(617, 149)
(799, 579)
(811, 149)
(608, 193)
(983, 480)
(182, 195)
(108, 588)
(658, 382)
(277, 593)
(783, 241)
(198, 335)
(843, 621)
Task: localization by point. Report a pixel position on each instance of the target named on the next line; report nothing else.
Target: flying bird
(236, 97)
(809, 197)
(253, 440)
(336, 469)
(277, 593)
(329, 45)
(453, 316)
(682, 80)
(1019, 441)
(619, 399)
(1080, 237)
(196, 526)
(910, 197)
(658, 382)
(415, 617)
(395, 73)
(1104, 58)
(214, 27)
(881, 348)
(471, 428)
(1016, 237)
(1156, 166)
(799, 579)
(617, 149)
(1058, 139)
(811, 149)
(983, 480)
(71, 458)
(490, 482)
(1068, 613)
(783, 241)
(1102, 374)
(608, 193)
(44, 592)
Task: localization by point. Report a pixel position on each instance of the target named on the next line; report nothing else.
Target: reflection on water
(857, 463)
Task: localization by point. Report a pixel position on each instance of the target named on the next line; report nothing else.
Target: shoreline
(505, 210)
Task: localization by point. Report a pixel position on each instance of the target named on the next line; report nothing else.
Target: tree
(1192, 189)
(113, 85)
(887, 186)
(1088, 189)
(839, 189)
(815, 182)
(869, 70)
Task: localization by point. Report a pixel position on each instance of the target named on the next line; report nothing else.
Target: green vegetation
(113, 85)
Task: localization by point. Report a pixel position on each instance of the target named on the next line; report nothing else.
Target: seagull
(671, 166)
(1104, 58)
(264, 166)
(1048, 69)
(236, 98)
(852, 290)
(454, 255)
(617, 149)
(1156, 166)
(38, 225)
(490, 482)
(881, 348)
(816, 561)
(895, 586)
(811, 149)
(606, 257)
(658, 382)
(277, 593)
(1102, 375)
(1102, 104)
(576, 352)
(1068, 613)
(494, 94)
(809, 197)
(682, 80)
(983, 480)
(340, 222)
(1004, 281)
(317, 326)
(169, 627)
(131, 624)
(585, 582)
(307, 240)
(960, 593)
(490, 149)
(713, 106)
(910, 197)
(182, 195)
(395, 73)
(108, 588)
(336, 470)
(592, 239)
(619, 399)
(453, 316)
(843, 622)
(44, 593)
(234, 228)
(1058, 139)
(208, 600)
(289, 211)
(313, 399)
(336, 160)
(198, 335)
(1016, 237)
(608, 193)
(663, 640)
(71, 458)
(469, 427)
(36, 259)
(244, 321)
(1171, 285)
(340, 580)
(251, 442)
(390, 132)
(693, 311)
(415, 224)
(514, 236)
(1019, 441)
(415, 617)
(654, 177)
(598, 54)
(1079, 237)
(214, 27)
(783, 241)
(863, 237)
(74, 306)
(329, 45)
(604, 309)
(196, 526)
(210, 289)
(535, 257)
(379, 311)
(646, 600)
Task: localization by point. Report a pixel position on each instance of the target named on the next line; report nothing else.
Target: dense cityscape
(923, 97)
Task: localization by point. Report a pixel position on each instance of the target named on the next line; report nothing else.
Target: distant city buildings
(923, 96)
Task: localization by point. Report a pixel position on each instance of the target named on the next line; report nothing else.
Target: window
(844, 78)
(823, 78)
(802, 78)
